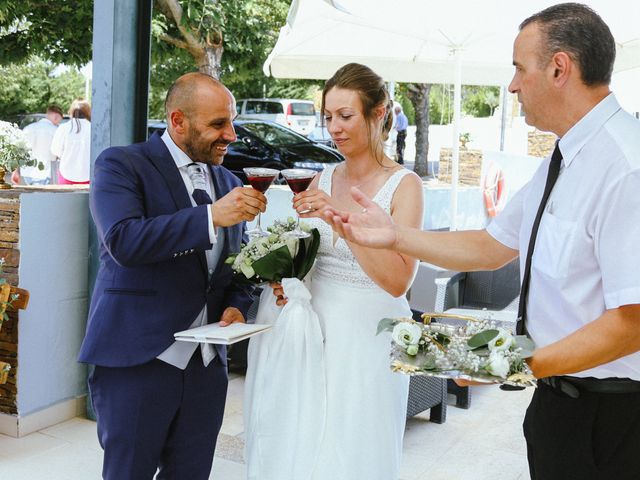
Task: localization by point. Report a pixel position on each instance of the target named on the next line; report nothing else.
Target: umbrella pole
(455, 151)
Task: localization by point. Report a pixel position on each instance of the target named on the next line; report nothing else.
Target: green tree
(480, 101)
(32, 86)
(56, 30)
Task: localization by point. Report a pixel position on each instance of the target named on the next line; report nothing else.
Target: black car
(269, 145)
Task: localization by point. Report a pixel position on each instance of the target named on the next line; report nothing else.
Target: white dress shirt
(586, 257)
(179, 353)
(39, 136)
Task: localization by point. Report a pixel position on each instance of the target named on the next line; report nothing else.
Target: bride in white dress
(354, 287)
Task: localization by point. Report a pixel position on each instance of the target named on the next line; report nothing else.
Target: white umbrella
(457, 41)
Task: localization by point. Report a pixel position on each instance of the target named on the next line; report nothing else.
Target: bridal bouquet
(278, 256)
(478, 350)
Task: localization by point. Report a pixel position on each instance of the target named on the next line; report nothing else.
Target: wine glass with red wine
(260, 179)
(298, 180)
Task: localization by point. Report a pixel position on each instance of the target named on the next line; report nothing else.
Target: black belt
(572, 386)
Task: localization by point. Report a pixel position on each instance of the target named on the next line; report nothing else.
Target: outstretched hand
(371, 227)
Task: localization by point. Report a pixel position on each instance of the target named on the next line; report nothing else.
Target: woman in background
(72, 144)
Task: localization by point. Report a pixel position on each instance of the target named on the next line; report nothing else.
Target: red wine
(298, 185)
(261, 183)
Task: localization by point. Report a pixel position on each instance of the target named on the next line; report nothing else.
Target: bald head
(200, 112)
(187, 90)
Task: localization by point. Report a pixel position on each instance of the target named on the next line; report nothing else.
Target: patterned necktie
(552, 176)
(199, 182)
(200, 195)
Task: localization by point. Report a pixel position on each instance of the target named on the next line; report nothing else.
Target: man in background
(401, 127)
(39, 136)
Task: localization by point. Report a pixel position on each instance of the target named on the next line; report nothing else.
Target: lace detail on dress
(336, 262)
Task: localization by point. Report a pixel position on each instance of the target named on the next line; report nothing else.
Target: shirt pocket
(554, 246)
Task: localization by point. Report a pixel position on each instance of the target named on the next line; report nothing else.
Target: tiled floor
(482, 443)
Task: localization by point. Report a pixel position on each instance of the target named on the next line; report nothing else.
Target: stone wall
(469, 166)
(9, 226)
(541, 143)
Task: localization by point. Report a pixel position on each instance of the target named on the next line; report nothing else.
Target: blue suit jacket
(153, 278)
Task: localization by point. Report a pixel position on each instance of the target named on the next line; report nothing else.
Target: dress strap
(326, 176)
(385, 194)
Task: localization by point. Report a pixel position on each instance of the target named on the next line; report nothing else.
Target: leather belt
(572, 386)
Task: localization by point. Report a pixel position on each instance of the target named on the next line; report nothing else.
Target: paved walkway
(482, 443)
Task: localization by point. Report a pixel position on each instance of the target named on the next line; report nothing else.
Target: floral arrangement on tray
(478, 350)
(277, 256)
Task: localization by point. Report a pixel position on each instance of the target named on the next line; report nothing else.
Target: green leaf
(482, 352)
(483, 338)
(526, 344)
(307, 254)
(275, 265)
(386, 325)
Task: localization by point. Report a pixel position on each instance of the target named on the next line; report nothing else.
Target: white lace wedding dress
(321, 402)
(366, 402)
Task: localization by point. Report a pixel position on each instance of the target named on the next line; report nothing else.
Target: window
(303, 109)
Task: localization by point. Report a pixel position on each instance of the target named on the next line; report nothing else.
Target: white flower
(497, 365)
(502, 341)
(405, 334)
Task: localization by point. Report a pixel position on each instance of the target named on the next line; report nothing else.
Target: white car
(298, 115)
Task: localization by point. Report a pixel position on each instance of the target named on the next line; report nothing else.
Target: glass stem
(258, 226)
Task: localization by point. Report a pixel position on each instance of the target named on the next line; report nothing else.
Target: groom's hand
(241, 203)
(231, 315)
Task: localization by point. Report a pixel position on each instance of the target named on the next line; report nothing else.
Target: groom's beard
(200, 150)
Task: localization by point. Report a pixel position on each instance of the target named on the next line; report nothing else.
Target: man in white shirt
(39, 136)
(580, 299)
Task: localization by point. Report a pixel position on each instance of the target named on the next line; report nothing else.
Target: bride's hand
(278, 291)
(311, 203)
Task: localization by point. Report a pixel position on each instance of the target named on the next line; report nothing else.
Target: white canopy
(416, 40)
(423, 41)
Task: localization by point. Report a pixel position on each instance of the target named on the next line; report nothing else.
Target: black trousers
(400, 145)
(593, 437)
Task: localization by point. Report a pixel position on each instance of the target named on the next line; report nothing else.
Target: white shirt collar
(179, 157)
(588, 126)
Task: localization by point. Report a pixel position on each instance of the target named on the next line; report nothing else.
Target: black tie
(199, 181)
(552, 176)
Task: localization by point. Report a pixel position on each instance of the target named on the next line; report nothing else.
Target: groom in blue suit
(167, 215)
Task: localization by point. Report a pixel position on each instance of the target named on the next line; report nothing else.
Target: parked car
(320, 134)
(24, 119)
(266, 144)
(298, 115)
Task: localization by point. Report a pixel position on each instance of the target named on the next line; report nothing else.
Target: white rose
(497, 365)
(503, 341)
(405, 334)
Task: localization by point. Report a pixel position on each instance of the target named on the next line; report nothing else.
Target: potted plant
(464, 139)
(14, 151)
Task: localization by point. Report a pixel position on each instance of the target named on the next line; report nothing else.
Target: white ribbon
(285, 391)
